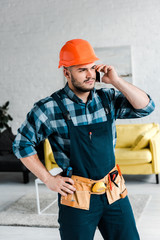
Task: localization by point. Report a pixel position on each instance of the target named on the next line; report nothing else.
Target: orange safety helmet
(75, 52)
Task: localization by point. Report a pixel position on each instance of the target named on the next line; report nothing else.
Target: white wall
(33, 31)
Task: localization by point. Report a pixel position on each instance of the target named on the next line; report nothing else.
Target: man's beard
(78, 86)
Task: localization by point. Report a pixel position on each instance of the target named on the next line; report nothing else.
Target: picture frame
(119, 57)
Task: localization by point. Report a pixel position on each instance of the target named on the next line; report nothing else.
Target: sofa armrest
(155, 150)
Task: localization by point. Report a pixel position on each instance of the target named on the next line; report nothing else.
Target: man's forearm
(36, 167)
(137, 98)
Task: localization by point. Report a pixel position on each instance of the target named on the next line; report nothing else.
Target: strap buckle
(106, 111)
(67, 116)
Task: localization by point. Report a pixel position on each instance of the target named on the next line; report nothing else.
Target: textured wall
(32, 33)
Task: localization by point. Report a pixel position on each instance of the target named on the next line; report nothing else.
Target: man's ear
(66, 73)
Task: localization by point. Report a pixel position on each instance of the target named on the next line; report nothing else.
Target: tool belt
(112, 184)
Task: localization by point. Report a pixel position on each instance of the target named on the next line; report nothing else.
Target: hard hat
(75, 52)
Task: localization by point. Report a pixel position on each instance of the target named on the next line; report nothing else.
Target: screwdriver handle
(69, 172)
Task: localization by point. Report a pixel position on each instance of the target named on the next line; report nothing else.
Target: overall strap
(105, 100)
(65, 112)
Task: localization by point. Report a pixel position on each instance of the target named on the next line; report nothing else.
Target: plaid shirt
(45, 120)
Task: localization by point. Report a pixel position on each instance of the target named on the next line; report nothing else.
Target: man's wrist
(47, 178)
(117, 82)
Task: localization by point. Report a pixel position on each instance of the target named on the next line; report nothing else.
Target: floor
(11, 188)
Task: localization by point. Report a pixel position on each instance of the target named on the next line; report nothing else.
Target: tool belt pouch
(79, 199)
(117, 192)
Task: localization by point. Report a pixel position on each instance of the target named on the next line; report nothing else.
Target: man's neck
(82, 95)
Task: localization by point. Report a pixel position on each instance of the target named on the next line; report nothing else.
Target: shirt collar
(74, 97)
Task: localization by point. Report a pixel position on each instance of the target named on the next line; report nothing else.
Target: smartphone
(98, 78)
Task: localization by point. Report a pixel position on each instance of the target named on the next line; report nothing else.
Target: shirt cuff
(149, 108)
(25, 152)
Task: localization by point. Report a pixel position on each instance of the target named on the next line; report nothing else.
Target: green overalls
(92, 156)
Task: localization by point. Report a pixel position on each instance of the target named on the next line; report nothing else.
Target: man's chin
(88, 89)
(85, 89)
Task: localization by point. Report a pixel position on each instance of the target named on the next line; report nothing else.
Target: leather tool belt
(112, 184)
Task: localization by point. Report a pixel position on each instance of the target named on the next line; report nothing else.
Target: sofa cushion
(127, 133)
(142, 140)
(10, 163)
(6, 139)
(125, 156)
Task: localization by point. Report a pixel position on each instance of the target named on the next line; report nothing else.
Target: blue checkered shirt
(45, 120)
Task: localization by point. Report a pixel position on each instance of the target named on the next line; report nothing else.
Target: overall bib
(92, 156)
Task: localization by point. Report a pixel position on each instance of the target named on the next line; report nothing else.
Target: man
(79, 122)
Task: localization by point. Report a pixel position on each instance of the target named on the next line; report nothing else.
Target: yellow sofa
(138, 148)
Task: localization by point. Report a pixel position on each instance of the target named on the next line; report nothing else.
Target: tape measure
(99, 187)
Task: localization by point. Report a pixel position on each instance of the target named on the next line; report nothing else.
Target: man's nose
(89, 74)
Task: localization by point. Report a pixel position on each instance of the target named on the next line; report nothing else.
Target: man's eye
(94, 68)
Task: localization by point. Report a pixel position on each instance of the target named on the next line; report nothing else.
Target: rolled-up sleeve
(35, 129)
(122, 109)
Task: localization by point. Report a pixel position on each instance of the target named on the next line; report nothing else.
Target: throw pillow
(143, 139)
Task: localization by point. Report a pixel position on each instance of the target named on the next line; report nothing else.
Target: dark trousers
(115, 221)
